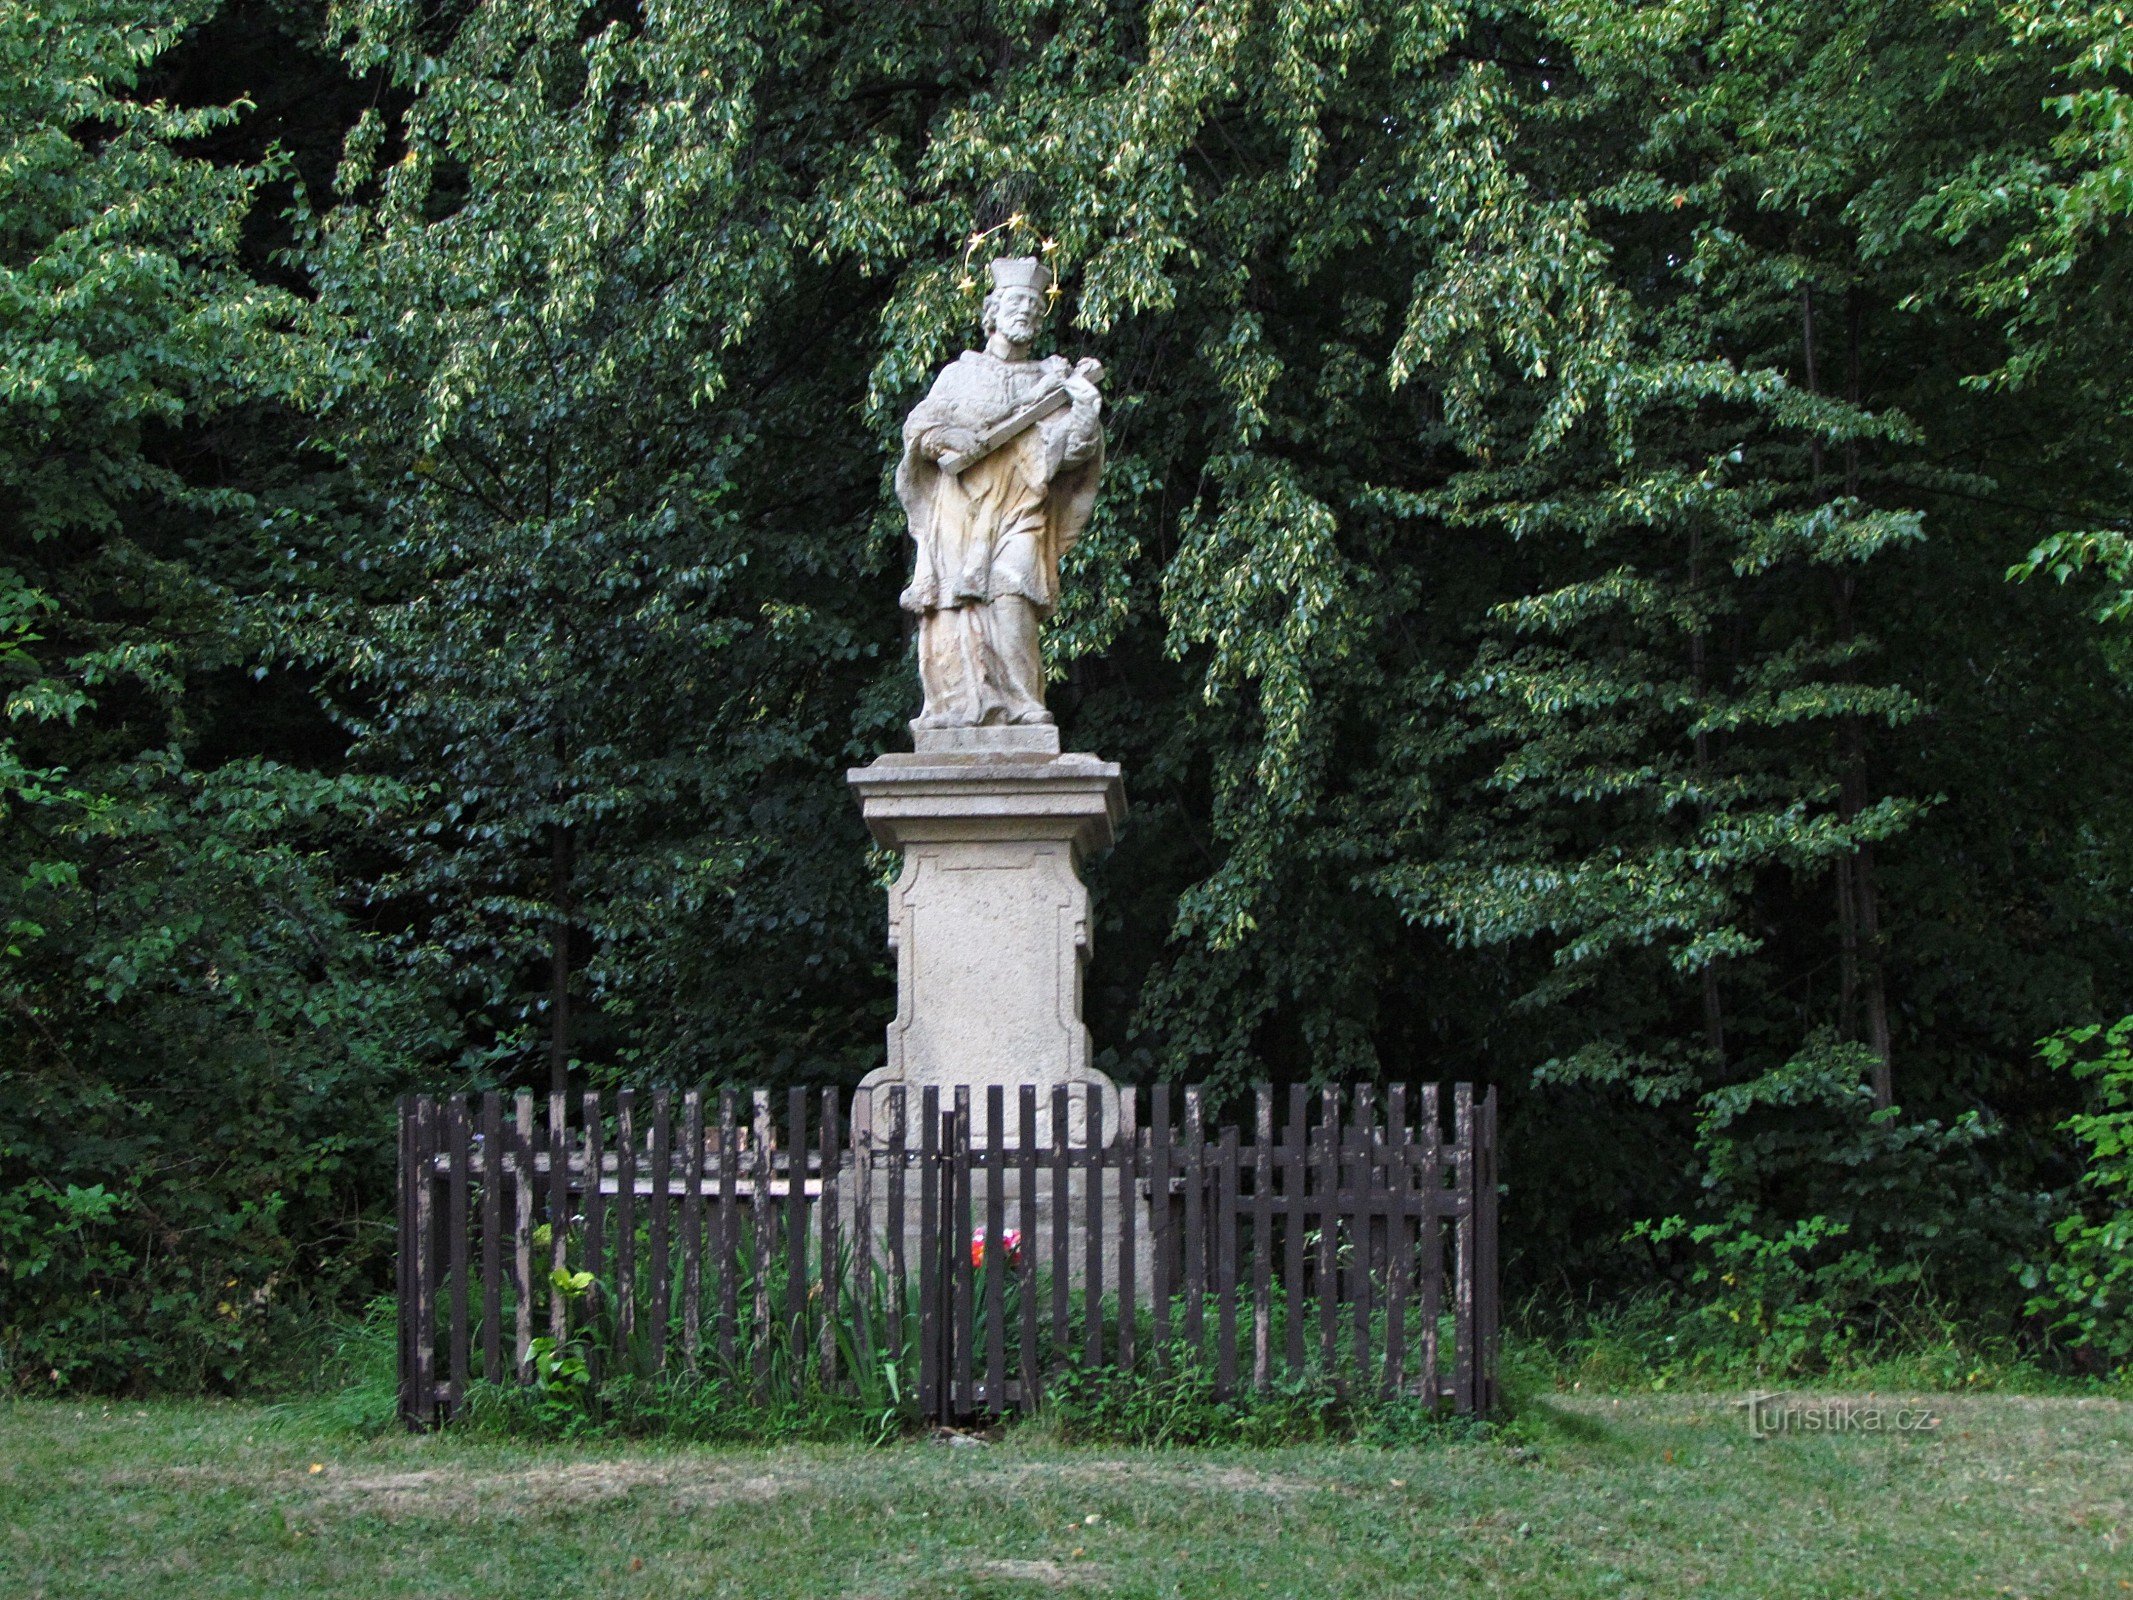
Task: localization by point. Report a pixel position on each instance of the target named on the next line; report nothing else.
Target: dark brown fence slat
(865, 1129)
(1486, 1286)
(1195, 1285)
(1062, 1222)
(404, 1262)
(1463, 1246)
(961, 1339)
(459, 1150)
(931, 1401)
(729, 1233)
(1362, 1229)
(1329, 1227)
(594, 1200)
(1026, 1183)
(796, 1229)
(437, 1253)
(1163, 1241)
(523, 1183)
(1294, 1225)
(1399, 1252)
(492, 1237)
(692, 1228)
(558, 1209)
(1129, 1146)
(659, 1275)
(1431, 1228)
(425, 1219)
(1262, 1242)
(1226, 1266)
(1092, 1289)
(899, 1153)
(832, 1156)
(762, 1239)
(625, 1226)
(996, 1268)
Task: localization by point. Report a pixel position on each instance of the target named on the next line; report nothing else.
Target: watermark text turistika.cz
(1772, 1414)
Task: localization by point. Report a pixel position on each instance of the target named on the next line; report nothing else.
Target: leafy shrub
(1829, 1222)
(698, 1408)
(2085, 1286)
(195, 1162)
(1664, 1339)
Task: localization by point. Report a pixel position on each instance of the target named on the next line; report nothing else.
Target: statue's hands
(950, 442)
(1081, 385)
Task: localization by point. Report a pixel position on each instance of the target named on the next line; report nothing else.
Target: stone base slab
(1030, 738)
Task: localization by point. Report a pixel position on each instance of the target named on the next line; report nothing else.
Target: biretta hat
(1021, 272)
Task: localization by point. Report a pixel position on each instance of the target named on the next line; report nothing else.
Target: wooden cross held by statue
(1050, 400)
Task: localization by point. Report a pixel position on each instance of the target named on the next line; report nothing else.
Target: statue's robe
(989, 539)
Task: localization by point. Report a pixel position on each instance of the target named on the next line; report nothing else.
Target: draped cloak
(994, 532)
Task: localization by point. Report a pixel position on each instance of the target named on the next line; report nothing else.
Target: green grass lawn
(1655, 1496)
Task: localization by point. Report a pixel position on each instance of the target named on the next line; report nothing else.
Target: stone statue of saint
(998, 477)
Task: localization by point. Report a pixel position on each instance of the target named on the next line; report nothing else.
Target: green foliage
(1668, 1340)
(1546, 593)
(1827, 1223)
(195, 1038)
(2086, 1285)
(678, 1407)
(2055, 200)
(350, 1384)
(595, 578)
(1174, 1399)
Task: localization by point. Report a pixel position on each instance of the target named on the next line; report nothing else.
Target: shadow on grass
(1541, 1420)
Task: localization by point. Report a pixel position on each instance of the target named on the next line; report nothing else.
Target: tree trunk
(1858, 900)
(1877, 1000)
(559, 893)
(1847, 952)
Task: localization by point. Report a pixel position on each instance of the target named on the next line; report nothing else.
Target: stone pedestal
(989, 918)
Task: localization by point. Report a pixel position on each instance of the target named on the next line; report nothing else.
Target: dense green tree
(193, 1036)
(1516, 410)
(1547, 594)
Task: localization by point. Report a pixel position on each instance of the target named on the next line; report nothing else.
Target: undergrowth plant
(1176, 1399)
(1667, 1340)
(2085, 1286)
(1828, 1224)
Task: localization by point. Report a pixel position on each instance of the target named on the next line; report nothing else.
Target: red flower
(1010, 1246)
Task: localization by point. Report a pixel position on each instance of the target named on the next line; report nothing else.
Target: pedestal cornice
(923, 797)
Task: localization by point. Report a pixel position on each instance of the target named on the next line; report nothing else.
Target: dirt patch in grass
(1112, 1473)
(466, 1491)
(1052, 1574)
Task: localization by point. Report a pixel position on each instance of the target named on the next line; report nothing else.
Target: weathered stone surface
(997, 478)
(989, 918)
(1036, 738)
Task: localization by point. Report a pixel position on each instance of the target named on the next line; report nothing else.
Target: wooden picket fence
(969, 1260)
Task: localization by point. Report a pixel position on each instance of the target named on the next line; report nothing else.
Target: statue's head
(1021, 294)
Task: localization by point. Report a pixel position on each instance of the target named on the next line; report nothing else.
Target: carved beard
(1019, 320)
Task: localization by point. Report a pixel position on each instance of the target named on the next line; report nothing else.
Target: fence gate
(948, 1254)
